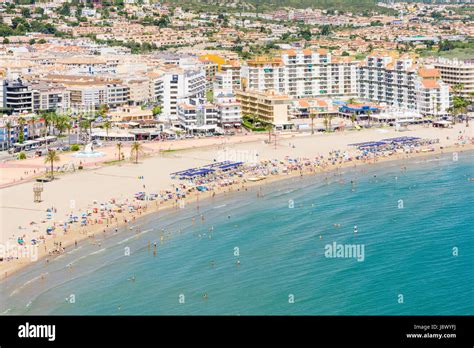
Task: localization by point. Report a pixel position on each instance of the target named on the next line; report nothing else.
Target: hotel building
(457, 72)
(304, 73)
(401, 84)
(268, 106)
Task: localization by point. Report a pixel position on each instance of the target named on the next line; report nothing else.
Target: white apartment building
(50, 96)
(17, 95)
(432, 97)
(179, 83)
(401, 83)
(89, 65)
(303, 73)
(223, 83)
(457, 72)
(197, 115)
(156, 87)
(139, 90)
(233, 67)
(386, 79)
(230, 112)
(117, 95)
(87, 98)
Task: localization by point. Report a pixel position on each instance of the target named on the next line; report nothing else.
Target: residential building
(50, 97)
(432, 97)
(402, 84)
(179, 83)
(268, 106)
(117, 94)
(17, 96)
(223, 83)
(131, 114)
(303, 73)
(457, 72)
(384, 78)
(197, 115)
(230, 112)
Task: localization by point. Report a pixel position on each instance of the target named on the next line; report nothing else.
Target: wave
(134, 236)
(28, 283)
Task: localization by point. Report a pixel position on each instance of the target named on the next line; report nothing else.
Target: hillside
(355, 6)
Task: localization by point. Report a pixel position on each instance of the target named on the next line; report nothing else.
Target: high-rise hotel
(302, 73)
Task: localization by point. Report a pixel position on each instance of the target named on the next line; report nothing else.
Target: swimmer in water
(132, 279)
(238, 262)
(205, 296)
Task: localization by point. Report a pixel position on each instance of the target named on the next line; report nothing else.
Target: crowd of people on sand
(114, 212)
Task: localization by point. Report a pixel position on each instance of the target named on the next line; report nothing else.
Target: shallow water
(281, 240)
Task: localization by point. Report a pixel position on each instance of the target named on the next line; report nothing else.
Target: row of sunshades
(192, 172)
(400, 140)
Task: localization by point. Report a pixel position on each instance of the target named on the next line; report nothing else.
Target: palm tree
(351, 101)
(21, 133)
(312, 115)
(457, 89)
(137, 148)
(33, 118)
(9, 127)
(107, 126)
(369, 113)
(61, 123)
(68, 126)
(51, 157)
(90, 127)
(46, 119)
(327, 122)
(83, 124)
(50, 119)
(353, 119)
(119, 147)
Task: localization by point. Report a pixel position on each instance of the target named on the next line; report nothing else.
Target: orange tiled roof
(303, 103)
(428, 73)
(429, 83)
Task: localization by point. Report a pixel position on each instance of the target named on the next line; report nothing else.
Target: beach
(82, 190)
(281, 231)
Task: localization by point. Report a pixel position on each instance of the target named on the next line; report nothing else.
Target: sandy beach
(76, 192)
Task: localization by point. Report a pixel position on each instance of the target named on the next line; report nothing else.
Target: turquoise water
(407, 252)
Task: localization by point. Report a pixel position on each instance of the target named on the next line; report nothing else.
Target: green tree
(136, 150)
(9, 126)
(21, 132)
(119, 148)
(51, 157)
(107, 126)
(156, 110)
(325, 30)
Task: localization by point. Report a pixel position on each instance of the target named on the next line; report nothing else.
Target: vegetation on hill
(342, 6)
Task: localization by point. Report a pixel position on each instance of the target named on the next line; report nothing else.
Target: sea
(395, 238)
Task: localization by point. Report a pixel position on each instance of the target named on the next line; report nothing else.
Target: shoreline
(80, 234)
